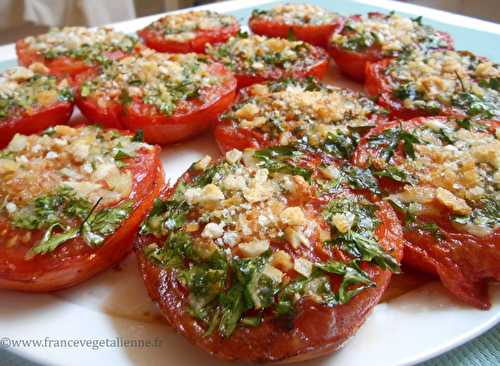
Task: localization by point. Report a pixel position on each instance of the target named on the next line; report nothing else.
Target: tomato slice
(318, 71)
(75, 261)
(61, 66)
(190, 118)
(229, 137)
(154, 37)
(314, 328)
(32, 101)
(298, 112)
(464, 262)
(38, 120)
(255, 59)
(377, 85)
(316, 34)
(454, 101)
(64, 65)
(353, 63)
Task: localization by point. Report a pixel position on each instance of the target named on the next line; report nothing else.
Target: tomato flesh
(377, 86)
(61, 66)
(463, 262)
(230, 135)
(37, 121)
(156, 40)
(190, 118)
(354, 64)
(75, 261)
(316, 34)
(318, 71)
(315, 330)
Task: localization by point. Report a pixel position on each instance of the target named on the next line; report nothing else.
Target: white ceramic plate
(73, 326)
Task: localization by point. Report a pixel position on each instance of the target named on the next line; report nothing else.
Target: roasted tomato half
(442, 177)
(261, 257)
(315, 117)
(79, 216)
(189, 32)
(378, 36)
(306, 22)
(454, 83)
(254, 59)
(71, 50)
(31, 101)
(170, 97)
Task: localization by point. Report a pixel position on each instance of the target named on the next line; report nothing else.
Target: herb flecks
(359, 240)
(388, 141)
(57, 213)
(352, 274)
(281, 159)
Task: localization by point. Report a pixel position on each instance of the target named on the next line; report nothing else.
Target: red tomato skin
(62, 66)
(157, 42)
(316, 35)
(377, 86)
(163, 130)
(230, 137)
(353, 63)
(463, 262)
(56, 114)
(108, 117)
(192, 119)
(317, 70)
(318, 330)
(74, 261)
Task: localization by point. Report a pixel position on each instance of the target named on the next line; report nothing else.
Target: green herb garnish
(280, 159)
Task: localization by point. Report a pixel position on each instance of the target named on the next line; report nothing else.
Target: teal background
(482, 351)
(6, 64)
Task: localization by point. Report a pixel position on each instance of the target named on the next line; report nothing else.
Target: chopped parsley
(395, 174)
(412, 222)
(486, 214)
(386, 33)
(58, 211)
(462, 90)
(352, 276)
(280, 159)
(167, 81)
(388, 141)
(165, 216)
(359, 178)
(476, 106)
(236, 56)
(359, 241)
(91, 53)
(26, 96)
(340, 145)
